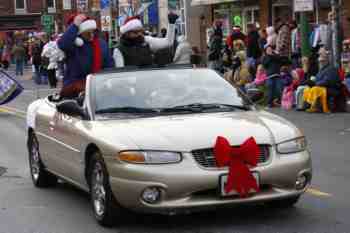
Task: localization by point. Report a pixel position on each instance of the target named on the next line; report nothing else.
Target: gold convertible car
(143, 140)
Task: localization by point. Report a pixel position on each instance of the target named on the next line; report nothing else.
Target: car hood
(196, 131)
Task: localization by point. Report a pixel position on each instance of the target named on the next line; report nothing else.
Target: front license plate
(223, 181)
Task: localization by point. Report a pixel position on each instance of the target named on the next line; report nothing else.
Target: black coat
(253, 48)
(272, 64)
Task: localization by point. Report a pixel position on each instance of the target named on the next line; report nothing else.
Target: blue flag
(104, 4)
(9, 88)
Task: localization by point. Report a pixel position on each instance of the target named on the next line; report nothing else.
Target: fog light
(301, 182)
(151, 195)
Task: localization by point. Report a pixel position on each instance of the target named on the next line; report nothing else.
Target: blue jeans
(19, 66)
(274, 89)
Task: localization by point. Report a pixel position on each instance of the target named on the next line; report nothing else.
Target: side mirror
(255, 95)
(71, 108)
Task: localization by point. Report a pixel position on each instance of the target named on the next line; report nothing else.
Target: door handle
(51, 125)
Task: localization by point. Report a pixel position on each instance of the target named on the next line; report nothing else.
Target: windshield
(163, 89)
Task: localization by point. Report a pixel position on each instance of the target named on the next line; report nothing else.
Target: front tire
(105, 207)
(41, 178)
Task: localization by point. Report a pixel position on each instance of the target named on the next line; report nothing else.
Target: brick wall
(6, 7)
(34, 6)
(264, 13)
(345, 18)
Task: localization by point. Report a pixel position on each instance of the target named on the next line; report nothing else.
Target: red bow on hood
(238, 159)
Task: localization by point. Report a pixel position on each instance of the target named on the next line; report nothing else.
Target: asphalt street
(64, 209)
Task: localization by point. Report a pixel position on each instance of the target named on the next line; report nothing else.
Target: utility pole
(336, 36)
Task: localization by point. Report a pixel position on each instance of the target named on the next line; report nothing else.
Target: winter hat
(131, 24)
(87, 25)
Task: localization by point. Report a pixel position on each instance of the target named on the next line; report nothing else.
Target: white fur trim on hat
(87, 25)
(79, 42)
(131, 25)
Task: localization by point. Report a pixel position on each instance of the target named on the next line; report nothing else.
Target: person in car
(136, 49)
(85, 54)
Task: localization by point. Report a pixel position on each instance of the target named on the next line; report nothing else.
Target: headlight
(149, 157)
(292, 146)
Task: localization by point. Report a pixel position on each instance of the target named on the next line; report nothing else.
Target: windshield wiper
(127, 110)
(199, 107)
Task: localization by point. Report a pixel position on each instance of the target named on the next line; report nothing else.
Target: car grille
(206, 158)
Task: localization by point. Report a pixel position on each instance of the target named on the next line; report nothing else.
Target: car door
(67, 139)
(44, 125)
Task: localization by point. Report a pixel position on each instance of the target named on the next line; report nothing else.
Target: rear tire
(104, 205)
(40, 176)
(284, 203)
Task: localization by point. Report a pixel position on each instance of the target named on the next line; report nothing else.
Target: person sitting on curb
(327, 85)
(85, 54)
(136, 49)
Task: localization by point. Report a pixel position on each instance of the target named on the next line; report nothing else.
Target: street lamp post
(336, 40)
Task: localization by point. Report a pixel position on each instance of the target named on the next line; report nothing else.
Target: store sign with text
(106, 21)
(303, 5)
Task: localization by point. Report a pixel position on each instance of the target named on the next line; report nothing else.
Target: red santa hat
(131, 24)
(87, 25)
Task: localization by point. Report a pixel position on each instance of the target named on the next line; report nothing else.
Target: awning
(210, 2)
(19, 22)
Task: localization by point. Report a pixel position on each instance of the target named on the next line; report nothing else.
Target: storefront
(238, 13)
(20, 22)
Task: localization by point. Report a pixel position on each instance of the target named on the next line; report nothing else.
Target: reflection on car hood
(197, 131)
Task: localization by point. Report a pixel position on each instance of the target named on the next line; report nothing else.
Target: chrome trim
(59, 142)
(84, 188)
(87, 96)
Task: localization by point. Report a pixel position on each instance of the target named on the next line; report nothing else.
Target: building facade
(260, 12)
(19, 15)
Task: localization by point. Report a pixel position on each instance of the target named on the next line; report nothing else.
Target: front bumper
(187, 186)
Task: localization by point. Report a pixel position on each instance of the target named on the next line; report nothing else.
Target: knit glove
(172, 18)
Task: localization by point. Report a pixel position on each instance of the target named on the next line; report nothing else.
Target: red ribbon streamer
(238, 158)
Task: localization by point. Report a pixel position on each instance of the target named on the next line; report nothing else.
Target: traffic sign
(47, 19)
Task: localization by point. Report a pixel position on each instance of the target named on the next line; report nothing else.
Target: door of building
(251, 15)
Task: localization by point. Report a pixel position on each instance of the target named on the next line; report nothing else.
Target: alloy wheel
(98, 189)
(35, 160)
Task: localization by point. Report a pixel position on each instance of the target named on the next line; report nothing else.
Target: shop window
(51, 6)
(20, 6)
(222, 13)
